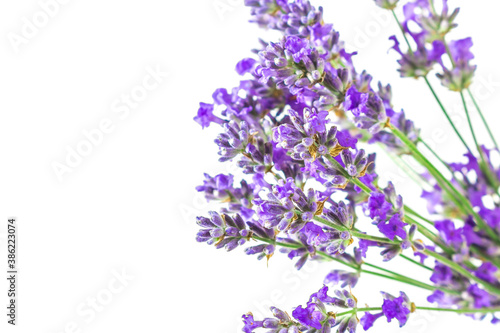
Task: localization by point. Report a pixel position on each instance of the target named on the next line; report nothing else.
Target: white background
(130, 204)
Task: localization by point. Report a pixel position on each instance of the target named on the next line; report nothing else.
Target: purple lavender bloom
(306, 135)
(205, 115)
(487, 273)
(250, 323)
(433, 24)
(364, 245)
(480, 297)
(343, 277)
(419, 62)
(340, 214)
(398, 120)
(460, 50)
(264, 12)
(345, 139)
(218, 187)
(441, 274)
(378, 208)
(222, 230)
(368, 319)
(355, 162)
(396, 307)
(286, 189)
(348, 324)
(449, 233)
(460, 76)
(443, 299)
(234, 140)
(434, 199)
(274, 213)
(355, 101)
(298, 47)
(245, 66)
(392, 228)
(310, 316)
(314, 233)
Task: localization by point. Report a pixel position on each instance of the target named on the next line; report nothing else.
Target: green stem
(394, 276)
(470, 122)
(358, 310)
(422, 229)
(459, 199)
(459, 269)
(414, 213)
(409, 281)
(402, 31)
(356, 233)
(486, 167)
(482, 310)
(406, 279)
(416, 262)
(484, 256)
(425, 308)
(446, 114)
(441, 160)
(407, 169)
(482, 118)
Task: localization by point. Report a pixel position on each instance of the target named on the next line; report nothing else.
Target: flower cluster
(299, 128)
(317, 316)
(430, 39)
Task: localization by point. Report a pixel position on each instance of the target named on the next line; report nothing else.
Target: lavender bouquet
(295, 126)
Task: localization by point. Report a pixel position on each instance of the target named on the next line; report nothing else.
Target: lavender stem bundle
(296, 125)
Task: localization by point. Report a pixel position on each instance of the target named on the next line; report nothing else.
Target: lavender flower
(397, 308)
(460, 76)
(298, 126)
(205, 115)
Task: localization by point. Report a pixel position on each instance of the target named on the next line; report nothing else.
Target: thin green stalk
(441, 160)
(408, 281)
(484, 256)
(422, 229)
(402, 31)
(407, 169)
(386, 270)
(394, 276)
(416, 262)
(482, 118)
(296, 246)
(459, 199)
(459, 269)
(356, 233)
(486, 167)
(482, 310)
(431, 236)
(471, 127)
(424, 308)
(358, 310)
(414, 213)
(447, 115)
